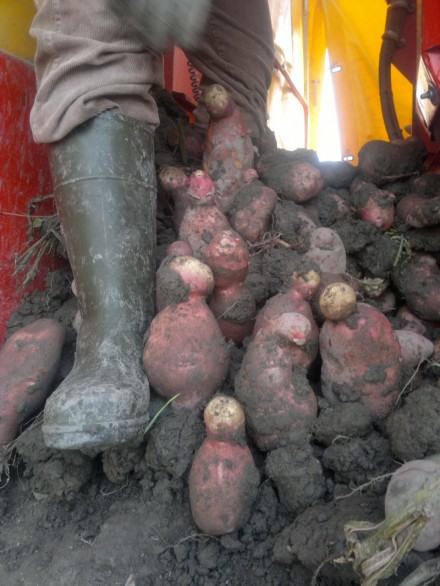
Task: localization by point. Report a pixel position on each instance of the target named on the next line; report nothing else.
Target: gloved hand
(166, 21)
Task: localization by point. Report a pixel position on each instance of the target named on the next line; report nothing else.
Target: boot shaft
(105, 191)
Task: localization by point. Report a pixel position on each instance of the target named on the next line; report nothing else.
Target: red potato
(305, 283)
(427, 184)
(185, 352)
(418, 281)
(202, 218)
(294, 300)
(374, 205)
(337, 173)
(418, 212)
(361, 360)
(276, 396)
(298, 181)
(223, 480)
(228, 150)
(411, 321)
(386, 302)
(175, 181)
(329, 206)
(179, 248)
(29, 361)
(231, 301)
(180, 276)
(383, 162)
(327, 250)
(414, 348)
(294, 224)
(252, 211)
(402, 488)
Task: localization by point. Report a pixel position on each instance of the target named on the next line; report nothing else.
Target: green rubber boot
(105, 191)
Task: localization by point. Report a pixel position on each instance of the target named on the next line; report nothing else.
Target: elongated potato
(223, 481)
(28, 364)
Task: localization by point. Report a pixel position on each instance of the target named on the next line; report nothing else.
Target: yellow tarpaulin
(16, 17)
(351, 31)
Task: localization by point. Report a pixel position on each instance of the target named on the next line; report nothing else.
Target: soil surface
(122, 517)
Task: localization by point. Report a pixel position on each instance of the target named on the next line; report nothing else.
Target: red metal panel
(430, 24)
(180, 76)
(24, 175)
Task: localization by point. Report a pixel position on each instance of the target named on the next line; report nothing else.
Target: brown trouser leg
(237, 51)
(89, 60)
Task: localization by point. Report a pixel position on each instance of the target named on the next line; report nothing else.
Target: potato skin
(291, 301)
(186, 353)
(414, 347)
(228, 150)
(223, 484)
(381, 161)
(175, 182)
(418, 212)
(326, 280)
(376, 206)
(337, 301)
(231, 301)
(199, 224)
(361, 360)
(418, 281)
(296, 181)
(28, 363)
(327, 250)
(251, 214)
(276, 397)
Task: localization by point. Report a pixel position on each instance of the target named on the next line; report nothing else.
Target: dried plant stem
(362, 487)
(385, 545)
(29, 260)
(159, 413)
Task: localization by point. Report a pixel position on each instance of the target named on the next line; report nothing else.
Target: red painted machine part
(24, 175)
(181, 78)
(429, 69)
(430, 16)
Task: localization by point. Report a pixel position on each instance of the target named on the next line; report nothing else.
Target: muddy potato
(337, 301)
(223, 480)
(361, 360)
(228, 151)
(414, 347)
(252, 211)
(418, 281)
(29, 361)
(276, 396)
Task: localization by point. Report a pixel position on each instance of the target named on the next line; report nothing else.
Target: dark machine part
(427, 84)
(391, 40)
(411, 42)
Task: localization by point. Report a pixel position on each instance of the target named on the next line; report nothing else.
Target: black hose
(391, 39)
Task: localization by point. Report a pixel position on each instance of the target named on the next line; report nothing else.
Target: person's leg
(88, 61)
(237, 52)
(94, 106)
